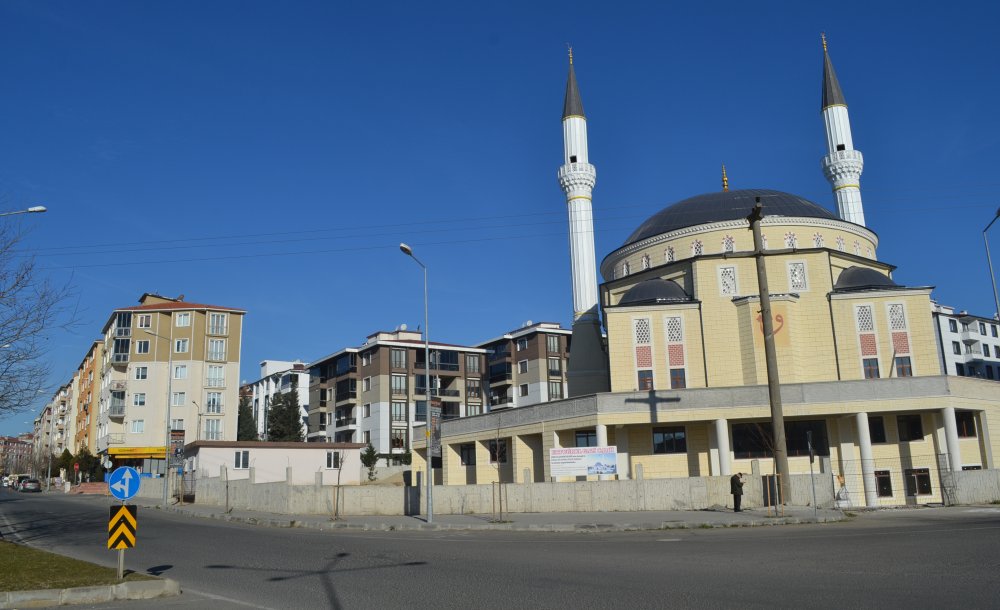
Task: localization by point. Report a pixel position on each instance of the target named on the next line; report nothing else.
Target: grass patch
(23, 568)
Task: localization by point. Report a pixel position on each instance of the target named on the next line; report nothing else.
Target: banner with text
(582, 461)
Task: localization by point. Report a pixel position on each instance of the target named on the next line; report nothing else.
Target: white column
(625, 459)
(722, 442)
(602, 441)
(867, 460)
(951, 438)
(984, 440)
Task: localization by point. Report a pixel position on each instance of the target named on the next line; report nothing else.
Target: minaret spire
(725, 179)
(588, 371)
(843, 165)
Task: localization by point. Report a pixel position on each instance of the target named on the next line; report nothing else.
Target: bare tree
(30, 307)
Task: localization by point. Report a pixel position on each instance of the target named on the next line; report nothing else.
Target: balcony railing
(119, 358)
(218, 356)
(347, 421)
(215, 382)
(123, 331)
(115, 438)
(218, 329)
(448, 393)
(118, 386)
(116, 411)
(501, 400)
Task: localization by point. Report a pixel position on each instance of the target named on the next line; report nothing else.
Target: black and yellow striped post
(121, 532)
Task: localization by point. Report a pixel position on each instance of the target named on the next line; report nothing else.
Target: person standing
(736, 488)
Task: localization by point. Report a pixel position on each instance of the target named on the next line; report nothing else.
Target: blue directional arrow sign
(124, 482)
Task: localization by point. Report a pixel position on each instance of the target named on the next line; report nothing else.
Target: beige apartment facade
(527, 366)
(170, 375)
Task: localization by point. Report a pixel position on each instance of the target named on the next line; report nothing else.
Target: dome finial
(725, 179)
(822, 35)
(569, 48)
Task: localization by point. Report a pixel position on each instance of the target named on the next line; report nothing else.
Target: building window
(366, 384)
(398, 385)
(993, 329)
(397, 358)
(366, 358)
(472, 364)
(178, 399)
(242, 460)
(216, 377)
(552, 341)
(473, 388)
(918, 481)
(876, 429)
(139, 399)
(903, 367)
(797, 277)
(332, 460)
(180, 371)
(398, 412)
(645, 380)
(467, 454)
(555, 367)
(959, 369)
(910, 427)
(866, 322)
(555, 390)
(143, 320)
(586, 438)
(141, 372)
(181, 346)
(498, 451)
(668, 255)
(471, 410)
(840, 243)
(216, 349)
(797, 435)
(366, 410)
(728, 243)
(397, 438)
(625, 268)
(218, 323)
(871, 368)
(142, 347)
(177, 424)
(183, 319)
(213, 429)
(522, 344)
(677, 379)
(366, 437)
(670, 440)
(952, 325)
(966, 422)
(138, 426)
(213, 403)
(818, 240)
(645, 261)
(522, 366)
(790, 240)
(956, 348)
(727, 281)
(753, 440)
(883, 483)
(697, 248)
(982, 329)
(523, 389)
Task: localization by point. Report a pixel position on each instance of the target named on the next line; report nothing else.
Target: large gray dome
(653, 291)
(726, 205)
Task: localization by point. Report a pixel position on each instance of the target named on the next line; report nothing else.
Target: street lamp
(37, 209)
(166, 411)
(993, 278)
(427, 389)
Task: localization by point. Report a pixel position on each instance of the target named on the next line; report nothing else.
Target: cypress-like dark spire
(832, 95)
(573, 106)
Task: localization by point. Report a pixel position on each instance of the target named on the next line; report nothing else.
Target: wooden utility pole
(770, 357)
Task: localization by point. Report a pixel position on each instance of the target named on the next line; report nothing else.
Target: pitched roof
(177, 305)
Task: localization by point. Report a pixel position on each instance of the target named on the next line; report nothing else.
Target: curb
(509, 526)
(44, 598)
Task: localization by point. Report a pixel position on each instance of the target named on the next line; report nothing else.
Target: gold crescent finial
(569, 47)
(725, 178)
(821, 35)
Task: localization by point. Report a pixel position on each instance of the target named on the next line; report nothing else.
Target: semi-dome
(863, 278)
(652, 291)
(726, 205)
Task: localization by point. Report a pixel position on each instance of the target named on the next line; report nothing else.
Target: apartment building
(280, 377)
(969, 346)
(169, 373)
(375, 393)
(15, 455)
(527, 366)
(52, 425)
(86, 381)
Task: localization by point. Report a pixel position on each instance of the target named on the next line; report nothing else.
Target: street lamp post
(37, 209)
(989, 260)
(427, 389)
(166, 410)
(52, 428)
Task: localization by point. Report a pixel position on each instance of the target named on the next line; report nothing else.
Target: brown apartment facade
(527, 366)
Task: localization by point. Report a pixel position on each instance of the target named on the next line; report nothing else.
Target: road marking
(668, 540)
(983, 510)
(10, 527)
(222, 598)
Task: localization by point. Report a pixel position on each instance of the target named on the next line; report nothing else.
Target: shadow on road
(325, 574)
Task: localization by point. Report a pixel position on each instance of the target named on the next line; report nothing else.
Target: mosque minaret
(587, 371)
(843, 165)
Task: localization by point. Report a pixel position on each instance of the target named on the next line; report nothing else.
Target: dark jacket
(736, 485)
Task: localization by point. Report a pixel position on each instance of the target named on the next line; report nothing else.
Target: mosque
(668, 362)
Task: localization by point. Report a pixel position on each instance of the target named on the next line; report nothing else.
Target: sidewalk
(550, 522)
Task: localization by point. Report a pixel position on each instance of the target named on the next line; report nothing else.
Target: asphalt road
(913, 558)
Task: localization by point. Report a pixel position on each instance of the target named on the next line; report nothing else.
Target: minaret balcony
(841, 162)
(577, 175)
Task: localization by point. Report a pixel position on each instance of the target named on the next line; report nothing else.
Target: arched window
(818, 240)
(697, 248)
(728, 243)
(669, 254)
(840, 243)
(625, 268)
(790, 240)
(645, 261)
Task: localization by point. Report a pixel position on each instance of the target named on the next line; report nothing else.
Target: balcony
(123, 331)
(117, 359)
(347, 421)
(115, 438)
(501, 401)
(117, 411)
(214, 382)
(218, 329)
(118, 386)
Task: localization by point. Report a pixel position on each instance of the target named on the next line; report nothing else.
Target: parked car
(31, 485)
(21, 478)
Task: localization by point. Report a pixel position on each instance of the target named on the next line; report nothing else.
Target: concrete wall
(686, 493)
(970, 487)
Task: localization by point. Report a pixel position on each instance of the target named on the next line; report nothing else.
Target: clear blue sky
(271, 156)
